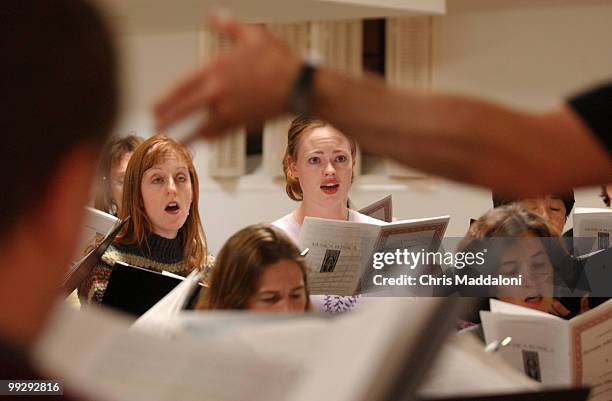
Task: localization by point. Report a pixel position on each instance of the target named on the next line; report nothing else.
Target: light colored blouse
(326, 303)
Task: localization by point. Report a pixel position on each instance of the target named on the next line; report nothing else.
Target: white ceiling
(161, 15)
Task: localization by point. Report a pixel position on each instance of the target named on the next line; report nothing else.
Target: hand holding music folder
(81, 269)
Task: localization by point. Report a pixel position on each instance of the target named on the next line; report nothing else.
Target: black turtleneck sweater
(157, 254)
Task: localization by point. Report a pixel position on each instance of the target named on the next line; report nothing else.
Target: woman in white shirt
(318, 166)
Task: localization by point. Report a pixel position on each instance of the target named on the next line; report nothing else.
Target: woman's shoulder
(284, 221)
(210, 260)
(209, 265)
(289, 226)
(112, 255)
(119, 252)
(134, 256)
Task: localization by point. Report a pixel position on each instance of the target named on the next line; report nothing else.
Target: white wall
(522, 54)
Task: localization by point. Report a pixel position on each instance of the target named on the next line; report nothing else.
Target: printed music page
(416, 236)
(338, 253)
(591, 342)
(359, 359)
(96, 354)
(539, 346)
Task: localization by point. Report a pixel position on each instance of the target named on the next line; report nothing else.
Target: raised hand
(246, 85)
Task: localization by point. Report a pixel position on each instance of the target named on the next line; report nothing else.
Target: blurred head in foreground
(60, 101)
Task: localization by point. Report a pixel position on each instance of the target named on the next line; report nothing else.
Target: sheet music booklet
(555, 351)
(340, 252)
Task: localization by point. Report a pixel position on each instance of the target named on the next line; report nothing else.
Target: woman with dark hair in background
(111, 172)
(554, 208)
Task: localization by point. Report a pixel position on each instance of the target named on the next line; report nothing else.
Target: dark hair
(605, 196)
(241, 262)
(509, 221)
(112, 153)
(61, 91)
(299, 126)
(567, 198)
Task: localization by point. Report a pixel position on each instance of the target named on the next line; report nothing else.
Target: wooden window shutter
(408, 65)
(228, 154)
(339, 44)
(296, 35)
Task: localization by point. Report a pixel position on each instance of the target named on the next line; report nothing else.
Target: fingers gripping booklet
(341, 252)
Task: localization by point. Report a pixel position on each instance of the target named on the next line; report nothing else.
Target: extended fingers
(186, 85)
(225, 86)
(559, 309)
(201, 91)
(232, 28)
(213, 127)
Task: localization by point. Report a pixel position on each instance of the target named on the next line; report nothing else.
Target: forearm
(461, 138)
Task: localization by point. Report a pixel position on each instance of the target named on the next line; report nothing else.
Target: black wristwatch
(300, 97)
